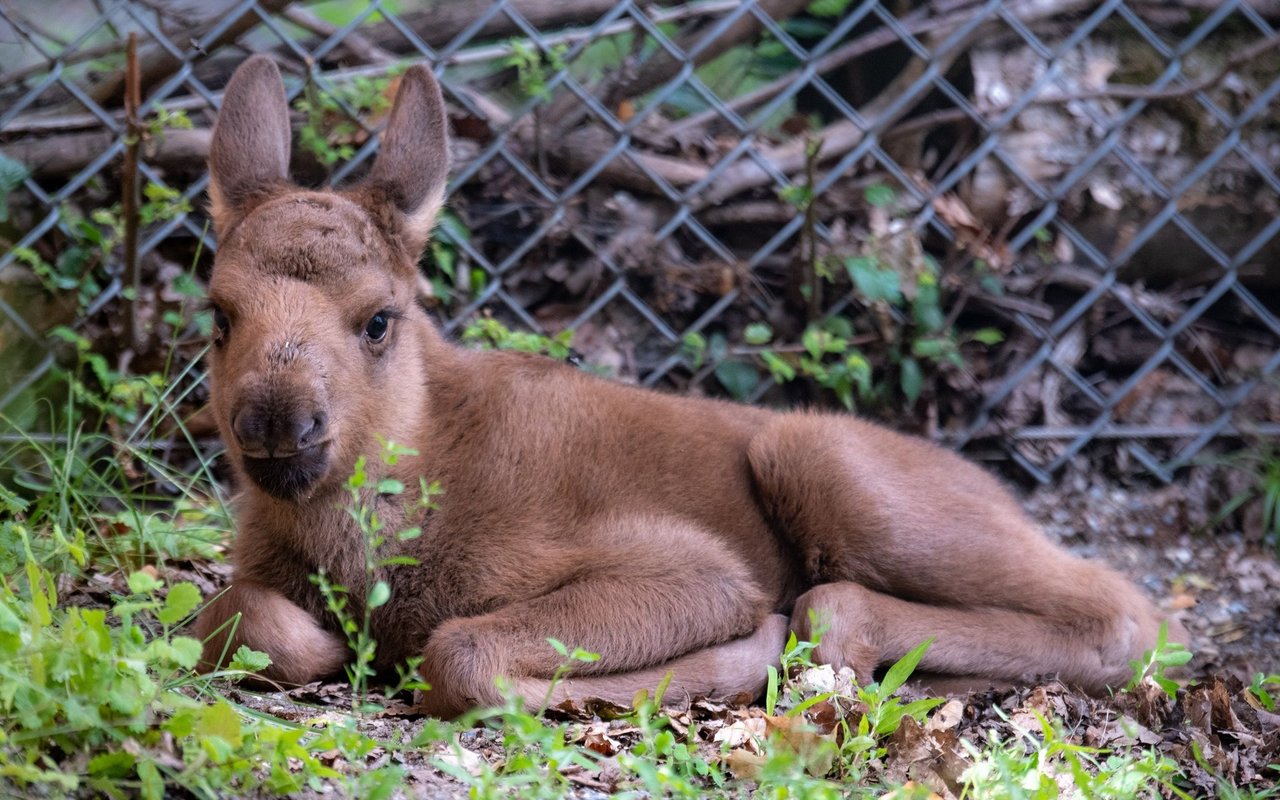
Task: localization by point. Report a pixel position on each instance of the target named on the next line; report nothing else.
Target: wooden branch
(1123, 92)
(836, 139)
(71, 152)
(628, 82)
(442, 20)
(355, 43)
(585, 147)
(158, 63)
(130, 191)
(917, 23)
(662, 66)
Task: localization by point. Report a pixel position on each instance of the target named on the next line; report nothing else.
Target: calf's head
(319, 343)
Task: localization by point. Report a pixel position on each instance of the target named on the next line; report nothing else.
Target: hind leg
(903, 541)
(866, 629)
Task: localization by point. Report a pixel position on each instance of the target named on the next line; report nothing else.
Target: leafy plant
(357, 625)
(332, 130)
(487, 333)
(911, 333)
(1031, 768)
(534, 66)
(1165, 655)
(1262, 466)
(884, 712)
(1258, 686)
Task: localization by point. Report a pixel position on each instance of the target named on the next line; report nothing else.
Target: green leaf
(987, 336)
(185, 651)
(143, 582)
(757, 333)
(182, 600)
(934, 348)
(927, 312)
(873, 284)
(220, 721)
(779, 368)
(899, 672)
(839, 327)
(693, 348)
(771, 692)
(879, 195)
(247, 659)
(390, 486)
(152, 785)
(584, 655)
(738, 378)
(912, 380)
(117, 764)
(379, 594)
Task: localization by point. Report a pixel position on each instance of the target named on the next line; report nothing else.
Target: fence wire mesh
(757, 198)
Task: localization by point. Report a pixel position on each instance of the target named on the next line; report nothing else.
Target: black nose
(263, 428)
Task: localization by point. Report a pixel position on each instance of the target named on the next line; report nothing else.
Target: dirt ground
(1224, 589)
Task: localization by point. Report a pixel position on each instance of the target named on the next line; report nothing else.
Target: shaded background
(1042, 231)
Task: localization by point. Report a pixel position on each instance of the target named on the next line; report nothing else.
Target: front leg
(654, 594)
(251, 614)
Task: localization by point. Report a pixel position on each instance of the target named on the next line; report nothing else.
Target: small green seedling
(1154, 662)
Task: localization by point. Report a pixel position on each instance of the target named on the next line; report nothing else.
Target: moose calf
(667, 534)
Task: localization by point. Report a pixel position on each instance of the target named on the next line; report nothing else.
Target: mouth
(288, 477)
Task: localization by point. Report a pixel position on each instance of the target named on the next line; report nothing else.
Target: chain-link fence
(1038, 226)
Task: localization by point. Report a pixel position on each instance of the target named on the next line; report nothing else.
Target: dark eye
(376, 330)
(221, 326)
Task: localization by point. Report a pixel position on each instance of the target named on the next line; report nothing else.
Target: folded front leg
(649, 591)
(251, 614)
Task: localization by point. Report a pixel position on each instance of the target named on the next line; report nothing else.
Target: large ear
(250, 147)
(412, 166)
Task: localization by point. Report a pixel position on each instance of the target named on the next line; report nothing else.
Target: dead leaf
(743, 764)
(747, 733)
(817, 751)
(946, 716)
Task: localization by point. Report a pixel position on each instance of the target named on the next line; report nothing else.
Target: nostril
(248, 427)
(310, 430)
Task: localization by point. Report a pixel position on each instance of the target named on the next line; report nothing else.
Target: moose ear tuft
(412, 166)
(250, 147)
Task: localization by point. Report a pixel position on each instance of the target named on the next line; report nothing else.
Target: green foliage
(1154, 662)
(1035, 769)
(488, 333)
(913, 336)
(332, 133)
(356, 624)
(1259, 686)
(450, 279)
(106, 684)
(1262, 466)
(12, 174)
(535, 66)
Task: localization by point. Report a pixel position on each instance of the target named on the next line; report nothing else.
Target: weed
(1031, 768)
(534, 66)
(884, 713)
(900, 286)
(1154, 662)
(1262, 466)
(357, 625)
(487, 333)
(1258, 686)
(331, 131)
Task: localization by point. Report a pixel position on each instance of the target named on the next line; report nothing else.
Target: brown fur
(665, 533)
